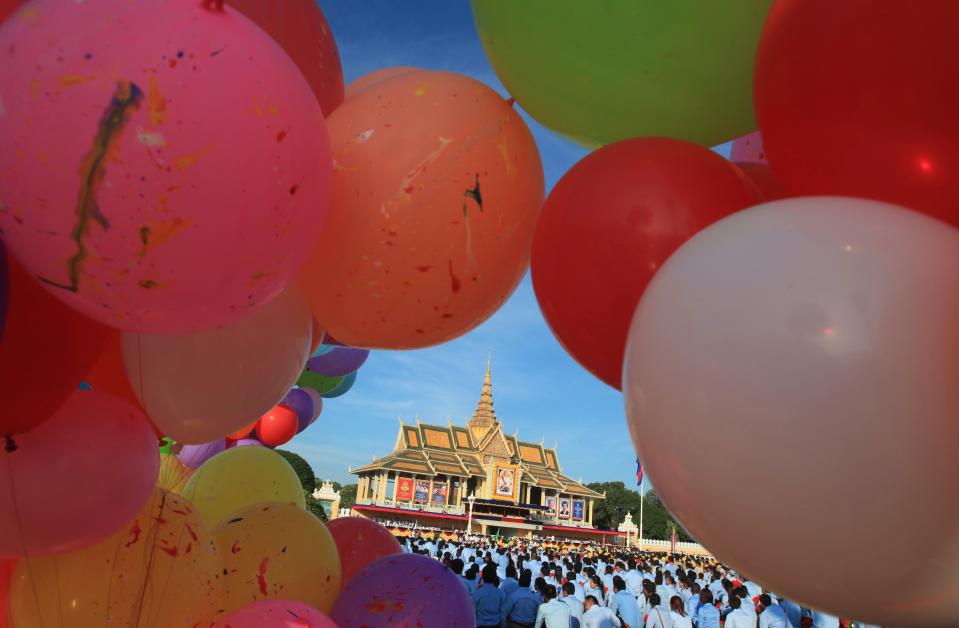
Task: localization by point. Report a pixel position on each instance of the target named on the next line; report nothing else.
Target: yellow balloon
(162, 569)
(241, 477)
(277, 551)
(173, 474)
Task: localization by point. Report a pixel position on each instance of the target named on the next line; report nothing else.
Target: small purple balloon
(338, 362)
(403, 590)
(195, 455)
(301, 403)
(248, 442)
(317, 403)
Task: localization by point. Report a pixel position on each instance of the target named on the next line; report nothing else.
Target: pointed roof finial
(485, 415)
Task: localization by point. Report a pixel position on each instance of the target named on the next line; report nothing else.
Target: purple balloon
(195, 455)
(317, 403)
(404, 590)
(248, 442)
(301, 403)
(338, 362)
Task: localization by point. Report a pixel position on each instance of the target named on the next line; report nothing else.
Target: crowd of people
(532, 584)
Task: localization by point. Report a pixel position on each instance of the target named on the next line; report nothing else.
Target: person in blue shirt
(707, 615)
(509, 583)
(624, 605)
(522, 605)
(489, 601)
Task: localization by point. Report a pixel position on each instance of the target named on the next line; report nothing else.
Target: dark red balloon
(763, 178)
(7, 7)
(277, 426)
(609, 224)
(300, 27)
(360, 542)
(46, 350)
(859, 98)
(109, 375)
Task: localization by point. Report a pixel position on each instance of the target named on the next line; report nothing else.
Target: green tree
(314, 506)
(347, 495)
(303, 469)
(609, 513)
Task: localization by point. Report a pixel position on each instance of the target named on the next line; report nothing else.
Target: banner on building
(564, 507)
(504, 482)
(578, 507)
(439, 494)
(404, 489)
(422, 491)
(551, 506)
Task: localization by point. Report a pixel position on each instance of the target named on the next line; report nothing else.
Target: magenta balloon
(338, 362)
(749, 149)
(317, 403)
(195, 455)
(76, 478)
(301, 403)
(276, 614)
(404, 590)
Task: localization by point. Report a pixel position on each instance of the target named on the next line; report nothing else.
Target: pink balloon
(749, 148)
(360, 542)
(76, 478)
(187, 175)
(276, 614)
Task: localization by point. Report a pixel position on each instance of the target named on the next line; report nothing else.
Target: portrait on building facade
(564, 508)
(578, 508)
(505, 482)
(422, 490)
(551, 506)
(439, 494)
(404, 489)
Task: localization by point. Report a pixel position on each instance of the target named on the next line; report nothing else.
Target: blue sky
(537, 388)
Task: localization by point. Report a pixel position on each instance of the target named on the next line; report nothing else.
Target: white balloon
(792, 386)
(201, 386)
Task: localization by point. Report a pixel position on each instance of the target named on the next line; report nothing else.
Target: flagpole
(642, 503)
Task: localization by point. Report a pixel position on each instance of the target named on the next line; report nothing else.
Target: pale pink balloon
(76, 478)
(164, 167)
(790, 382)
(749, 149)
(276, 614)
(204, 385)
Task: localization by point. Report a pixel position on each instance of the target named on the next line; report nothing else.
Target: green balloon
(166, 445)
(606, 70)
(319, 383)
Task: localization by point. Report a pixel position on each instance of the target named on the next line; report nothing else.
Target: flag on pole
(639, 473)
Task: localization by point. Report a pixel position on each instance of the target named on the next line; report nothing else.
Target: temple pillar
(396, 486)
(590, 511)
(384, 476)
(361, 489)
(529, 492)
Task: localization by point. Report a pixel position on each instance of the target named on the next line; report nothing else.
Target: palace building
(456, 478)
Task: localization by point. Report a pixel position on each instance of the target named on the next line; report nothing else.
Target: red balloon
(606, 227)
(46, 350)
(763, 178)
(300, 27)
(6, 574)
(360, 542)
(277, 426)
(243, 432)
(110, 376)
(859, 98)
(7, 7)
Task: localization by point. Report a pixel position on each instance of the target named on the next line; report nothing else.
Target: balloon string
(213, 5)
(23, 551)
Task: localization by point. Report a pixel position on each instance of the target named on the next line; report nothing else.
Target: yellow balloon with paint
(242, 477)
(162, 569)
(277, 551)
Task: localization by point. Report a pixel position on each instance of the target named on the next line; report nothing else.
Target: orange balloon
(436, 191)
(243, 432)
(300, 27)
(368, 80)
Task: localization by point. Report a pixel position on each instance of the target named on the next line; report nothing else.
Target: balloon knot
(11, 445)
(511, 102)
(213, 5)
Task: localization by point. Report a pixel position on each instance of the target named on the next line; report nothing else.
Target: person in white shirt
(552, 614)
(824, 620)
(739, 618)
(596, 616)
(595, 588)
(692, 604)
(633, 579)
(579, 591)
(772, 616)
(754, 589)
(571, 600)
(655, 616)
(678, 615)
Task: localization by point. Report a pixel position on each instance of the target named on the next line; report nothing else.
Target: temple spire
(485, 415)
